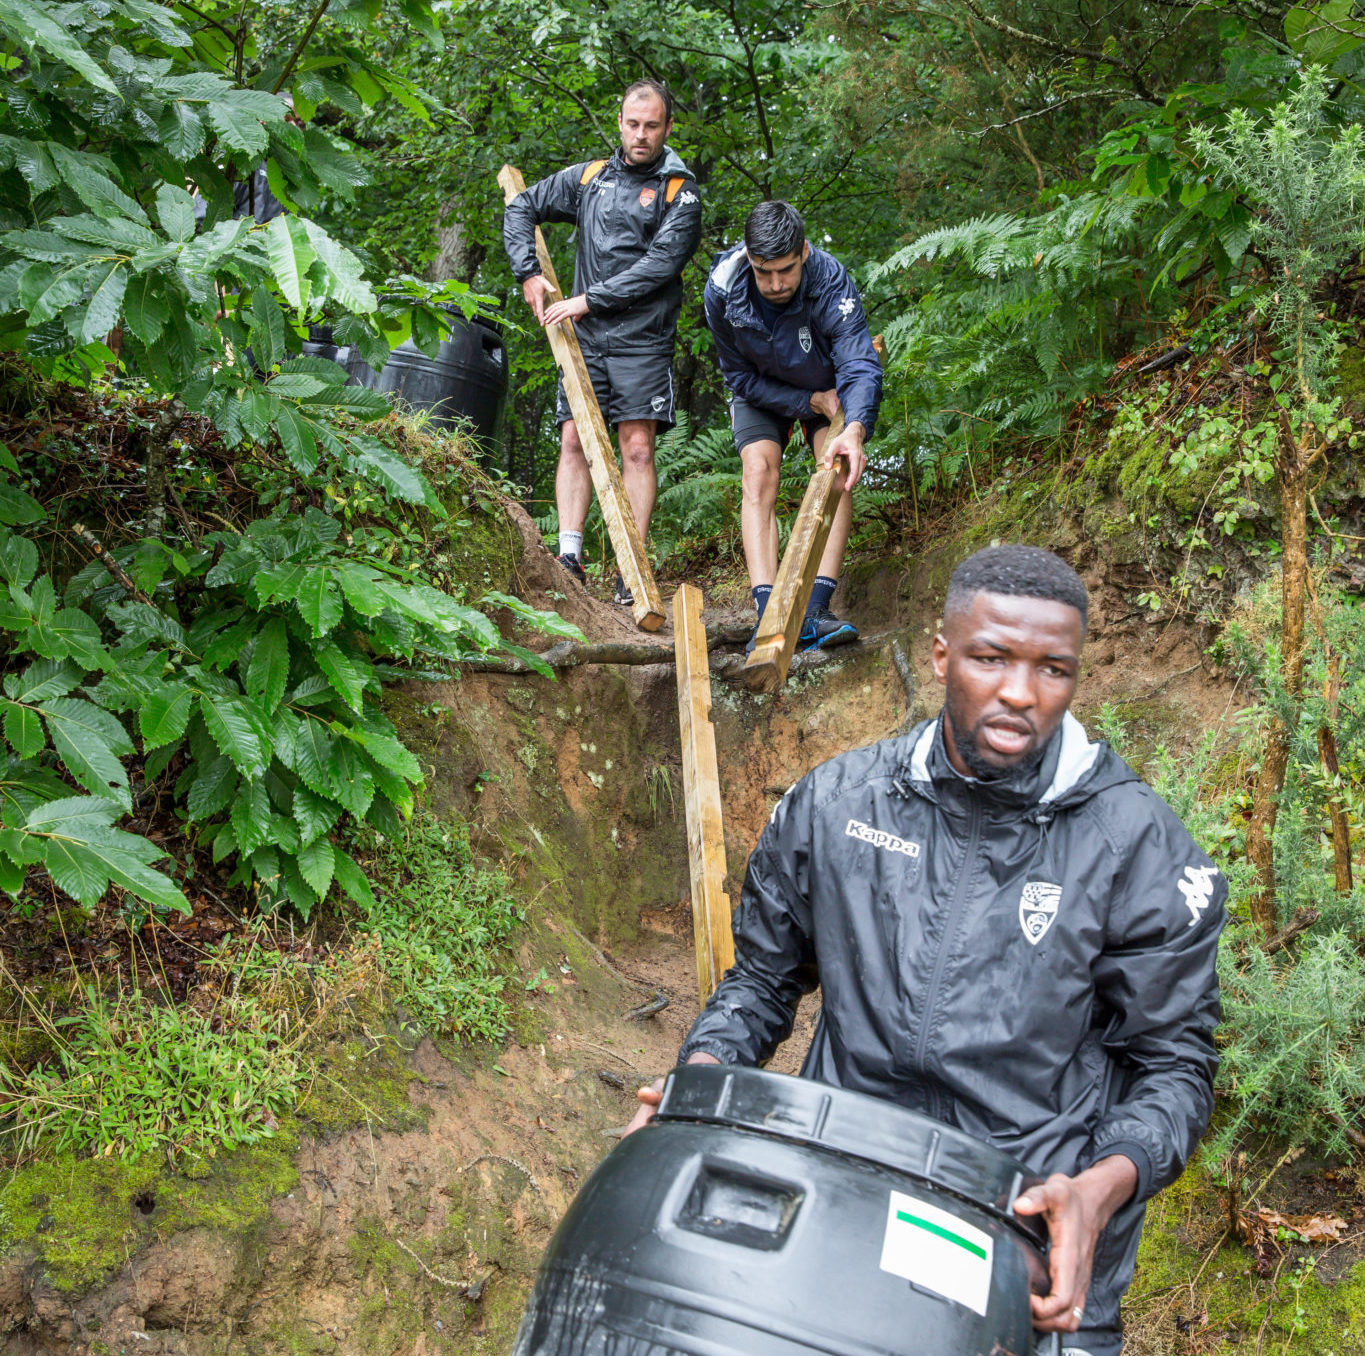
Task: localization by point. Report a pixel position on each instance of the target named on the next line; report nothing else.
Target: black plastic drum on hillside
(762, 1215)
(465, 381)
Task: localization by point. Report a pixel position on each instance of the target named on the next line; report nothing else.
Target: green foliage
(1307, 176)
(443, 925)
(1293, 1036)
(133, 1077)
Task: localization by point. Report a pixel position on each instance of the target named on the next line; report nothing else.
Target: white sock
(570, 543)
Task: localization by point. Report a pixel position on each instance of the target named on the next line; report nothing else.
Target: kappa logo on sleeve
(846, 307)
(879, 838)
(1038, 905)
(1197, 887)
(689, 196)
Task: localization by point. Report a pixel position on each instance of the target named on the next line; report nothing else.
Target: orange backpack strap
(674, 185)
(592, 170)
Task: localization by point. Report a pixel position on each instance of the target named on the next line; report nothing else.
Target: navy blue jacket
(820, 341)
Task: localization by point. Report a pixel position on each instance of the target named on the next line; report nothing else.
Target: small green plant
(133, 1077)
(443, 925)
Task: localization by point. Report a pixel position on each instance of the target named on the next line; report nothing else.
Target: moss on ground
(85, 1217)
(1196, 1289)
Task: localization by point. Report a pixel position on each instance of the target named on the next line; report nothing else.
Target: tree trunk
(455, 257)
(1327, 748)
(1293, 460)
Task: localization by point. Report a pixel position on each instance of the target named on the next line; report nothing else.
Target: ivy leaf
(268, 671)
(316, 864)
(234, 731)
(165, 714)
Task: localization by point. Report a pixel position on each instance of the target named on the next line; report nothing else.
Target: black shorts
(753, 424)
(628, 386)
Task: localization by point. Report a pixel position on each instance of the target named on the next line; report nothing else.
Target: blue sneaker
(822, 629)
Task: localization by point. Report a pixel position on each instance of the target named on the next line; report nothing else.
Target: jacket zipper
(964, 880)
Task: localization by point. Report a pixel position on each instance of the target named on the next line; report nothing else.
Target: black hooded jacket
(632, 246)
(1036, 968)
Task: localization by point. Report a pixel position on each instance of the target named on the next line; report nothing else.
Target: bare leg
(573, 480)
(762, 463)
(636, 437)
(832, 561)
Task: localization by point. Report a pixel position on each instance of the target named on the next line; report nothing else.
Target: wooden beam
(701, 791)
(766, 668)
(622, 528)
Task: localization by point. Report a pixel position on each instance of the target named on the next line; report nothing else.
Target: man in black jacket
(639, 221)
(1011, 934)
(793, 346)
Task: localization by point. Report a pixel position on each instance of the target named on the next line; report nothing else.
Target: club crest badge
(647, 196)
(657, 403)
(803, 338)
(1037, 908)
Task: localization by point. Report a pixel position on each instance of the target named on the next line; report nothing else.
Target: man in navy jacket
(793, 344)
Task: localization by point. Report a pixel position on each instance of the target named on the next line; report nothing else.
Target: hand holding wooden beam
(626, 542)
(701, 790)
(766, 668)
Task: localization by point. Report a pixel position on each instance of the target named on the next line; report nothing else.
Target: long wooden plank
(626, 542)
(701, 788)
(766, 668)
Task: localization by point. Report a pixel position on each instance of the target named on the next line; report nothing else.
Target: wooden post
(766, 668)
(701, 791)
(622, 528)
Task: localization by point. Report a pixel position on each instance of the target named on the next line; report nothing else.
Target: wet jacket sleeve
(857, 369)
(742, 377)
(673, 245)
(753, 1008)
(1158, 981)
(552, 199)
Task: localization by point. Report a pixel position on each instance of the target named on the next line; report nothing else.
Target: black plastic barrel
(465, 382)
(762, 1215)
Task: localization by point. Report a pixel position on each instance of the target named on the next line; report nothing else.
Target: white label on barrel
(937, 1251)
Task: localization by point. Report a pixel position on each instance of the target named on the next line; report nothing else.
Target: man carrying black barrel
(639, 221)
(794, 347)
(1011, 933)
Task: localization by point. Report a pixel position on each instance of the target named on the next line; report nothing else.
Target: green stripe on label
(942, 1233)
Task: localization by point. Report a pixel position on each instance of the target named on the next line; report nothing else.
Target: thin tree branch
(1117, 93)
(302, 43)
(1060, 48)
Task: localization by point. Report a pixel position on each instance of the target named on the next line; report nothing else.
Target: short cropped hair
(1020, 572)
(650, 87)
(774, 229)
